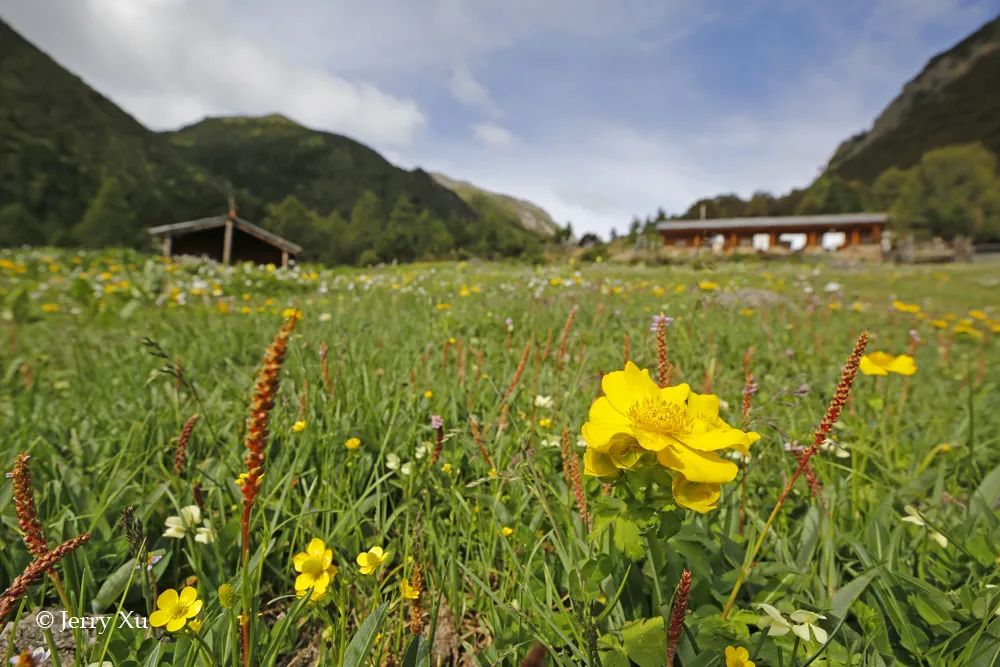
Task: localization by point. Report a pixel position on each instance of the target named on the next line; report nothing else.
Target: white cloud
(170, 62)
(469, 90)
(492, 134)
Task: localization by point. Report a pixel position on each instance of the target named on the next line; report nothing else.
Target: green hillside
(75, 169)
(530, 216)
(954, 100)
(61, 141)
(930, 158)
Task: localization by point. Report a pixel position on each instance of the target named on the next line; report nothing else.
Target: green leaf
(645, 641)
(113, 587)
(363, 640)
(628, 538)
(611, 652)
(417, 653)
(986, 496)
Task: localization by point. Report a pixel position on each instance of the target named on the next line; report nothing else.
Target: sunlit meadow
(392, 467)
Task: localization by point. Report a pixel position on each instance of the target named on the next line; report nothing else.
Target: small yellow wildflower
(939, 324)
(371, 560)
(195, 625)
(506, 531)
(545, 422)
(904, 307)
(298, 426)
(50, 307)
(315, 567)
(173, 610)
(409, 592)
(708, 286)
(882, 363)
(978, 314)
(737, 656)
(968, 330)
(428, 393)
(446, 468)
(352, 443)
(443, 306)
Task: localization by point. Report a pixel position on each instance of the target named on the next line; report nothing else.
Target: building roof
(823, 222)
(181, 228)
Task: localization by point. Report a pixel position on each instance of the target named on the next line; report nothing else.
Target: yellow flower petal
(903, 364)
(696, 496)
(194, 609)
(697, 466)
(598, 464)
(159, 618)
(625, 388)
(167, 599)
(176, 624)
(187, 596)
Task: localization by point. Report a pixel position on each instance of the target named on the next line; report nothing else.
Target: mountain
(274, 157)
(530, 216)
(954, 100)
(930, 159)
(75, 169)
(61, 141)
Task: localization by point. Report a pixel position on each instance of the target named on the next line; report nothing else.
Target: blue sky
(596, 109)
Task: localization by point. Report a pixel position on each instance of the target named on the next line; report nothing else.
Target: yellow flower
(291, 314)
(371, 560)
(882, 363)
(737, 656)
(545, 422)
(428, 394)
(939, 324)
(506, 531)
(464, 291)
(708, 286)
(446, 468)
(352, 443)
(173, 610)
(637, 424)
(443, 306)
(242, 479)
(968, 330)
(50, 307)
(409, 592)
(978, 314)
(315, 567)
(904, 307)
(680, 289)
(298, 426)
(195, 625)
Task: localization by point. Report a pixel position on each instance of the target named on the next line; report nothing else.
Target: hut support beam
(227, 242)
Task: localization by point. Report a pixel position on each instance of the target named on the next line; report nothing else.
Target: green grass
(100, 413)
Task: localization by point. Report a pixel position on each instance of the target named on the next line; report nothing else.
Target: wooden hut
(225, 238)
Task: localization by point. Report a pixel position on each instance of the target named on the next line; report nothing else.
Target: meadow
(421, 490)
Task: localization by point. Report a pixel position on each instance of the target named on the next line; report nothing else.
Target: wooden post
(734, 241)
(810, 239)
(227, 242)
(772, 240)
(167, 245)
(855, 238)
(877, 233)
(284, 259)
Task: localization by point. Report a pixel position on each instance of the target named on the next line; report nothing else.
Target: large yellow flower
(637, 423)
(883, 363)
(173, 610)
(315, 567)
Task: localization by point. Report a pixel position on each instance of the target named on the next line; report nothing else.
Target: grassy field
(886, 550)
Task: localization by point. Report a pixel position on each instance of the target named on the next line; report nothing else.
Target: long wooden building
(857, 228)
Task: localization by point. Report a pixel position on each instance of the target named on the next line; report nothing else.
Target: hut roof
(179, 228)
(795, 221)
